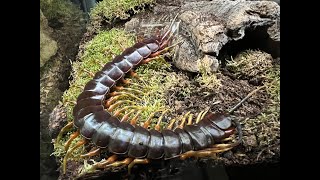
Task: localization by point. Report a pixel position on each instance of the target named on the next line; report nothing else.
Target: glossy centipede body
(133, 141)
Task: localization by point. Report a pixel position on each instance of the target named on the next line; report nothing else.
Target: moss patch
(250, 64)
(208, 79)
(265, 128)
(109, 10)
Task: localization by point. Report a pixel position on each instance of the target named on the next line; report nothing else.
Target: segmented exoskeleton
(137, 143)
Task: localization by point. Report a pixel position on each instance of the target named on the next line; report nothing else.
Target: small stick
(244, 99)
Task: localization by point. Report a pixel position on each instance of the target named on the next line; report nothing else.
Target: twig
(244, 99)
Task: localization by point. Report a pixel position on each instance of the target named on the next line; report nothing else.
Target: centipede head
(166, 38)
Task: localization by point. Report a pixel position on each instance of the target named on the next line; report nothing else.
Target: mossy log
(230, 48)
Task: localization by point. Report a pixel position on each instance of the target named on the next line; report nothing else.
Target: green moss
(266, 126)
(58, 8)
(209, 80)
(109, 10)
(250, 63)
(273, 84)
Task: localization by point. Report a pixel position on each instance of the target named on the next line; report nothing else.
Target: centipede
(134, 143)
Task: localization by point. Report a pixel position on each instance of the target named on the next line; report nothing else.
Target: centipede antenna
(174, 29)
(244, 99)
(170, 29)
(174, 45)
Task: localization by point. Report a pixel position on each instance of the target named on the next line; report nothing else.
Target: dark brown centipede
(138, 144)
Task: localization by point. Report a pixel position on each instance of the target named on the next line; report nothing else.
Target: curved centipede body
(138, 144)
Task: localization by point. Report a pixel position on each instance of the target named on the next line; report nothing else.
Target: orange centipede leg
(125, 81)
(171, 124)
(79, 144)
(126, 161)
(92, 152)
(126, 116)
(208, 152)
(103, 163)
(148, 121)
(134, 74)
(157, 127)
(113, 106)
(145, 61)
(72, 137)
(135, 118)
(183, 120)
(137, 161)
(63, 130)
